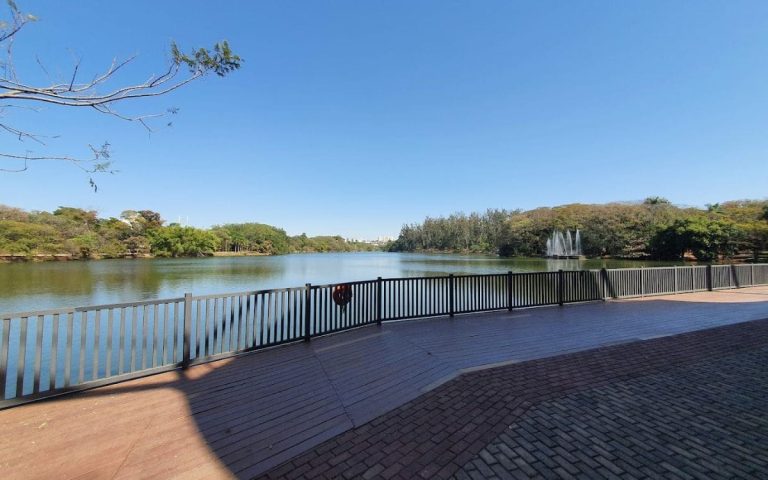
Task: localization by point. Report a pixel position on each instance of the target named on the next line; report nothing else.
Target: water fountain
(564, 246)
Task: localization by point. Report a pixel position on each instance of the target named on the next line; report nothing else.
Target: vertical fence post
(560, 285)
(307, 311)
(450, 294)
(709, 277)
(379, 306)
(5, 324)
(693, 278)
(752, 275)
(676, 286)
(509, 291)
(187, 330)
(604, 282)
(642, 282)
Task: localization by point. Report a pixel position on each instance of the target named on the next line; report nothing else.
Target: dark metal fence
(45, 353)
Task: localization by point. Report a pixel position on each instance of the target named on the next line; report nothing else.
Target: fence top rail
(141, 303)
(456, 277)
(89, 308)
(555, 272)
(213, 296)
(634, 269)
(275, 290)
(331, 285)
(681, 267)
(482, 275)
(435, 277)
(55, 311)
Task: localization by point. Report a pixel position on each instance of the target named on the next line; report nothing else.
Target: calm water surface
(36, 286)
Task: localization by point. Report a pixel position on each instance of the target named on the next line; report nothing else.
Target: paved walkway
(243, 416)
(706, 420)
(693, 405)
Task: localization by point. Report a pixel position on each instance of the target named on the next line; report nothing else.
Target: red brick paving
(444, 432)
(703, 420)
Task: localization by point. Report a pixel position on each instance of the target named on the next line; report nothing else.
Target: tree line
(654, 228)
(78, 233)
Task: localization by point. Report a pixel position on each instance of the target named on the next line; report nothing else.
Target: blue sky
(354, 117)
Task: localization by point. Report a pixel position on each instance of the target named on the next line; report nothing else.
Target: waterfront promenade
(324, 405)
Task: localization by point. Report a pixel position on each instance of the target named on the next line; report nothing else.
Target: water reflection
(20, 279)
(564, 264)
(463, 264)
(34, 286)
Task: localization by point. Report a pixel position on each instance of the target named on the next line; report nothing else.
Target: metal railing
(46, 353)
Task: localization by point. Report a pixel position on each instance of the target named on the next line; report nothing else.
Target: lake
(35, 286)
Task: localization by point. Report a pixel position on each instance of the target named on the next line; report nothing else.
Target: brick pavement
(686, 406)
(706, 420)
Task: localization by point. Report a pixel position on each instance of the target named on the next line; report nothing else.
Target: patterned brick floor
(687, 406)
(707, 420)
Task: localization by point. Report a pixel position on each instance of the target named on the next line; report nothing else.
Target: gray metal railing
(46, 353)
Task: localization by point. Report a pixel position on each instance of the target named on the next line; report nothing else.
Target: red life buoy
(342, 294)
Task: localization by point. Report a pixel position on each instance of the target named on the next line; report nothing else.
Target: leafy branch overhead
(100, 93)
(222, 61)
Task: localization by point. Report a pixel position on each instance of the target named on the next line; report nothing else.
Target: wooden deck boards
(241, 416)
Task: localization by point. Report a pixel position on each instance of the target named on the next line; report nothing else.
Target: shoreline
(736, 259)
(241, 254)
(68, 257)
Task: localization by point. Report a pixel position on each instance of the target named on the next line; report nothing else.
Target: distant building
(378, 242)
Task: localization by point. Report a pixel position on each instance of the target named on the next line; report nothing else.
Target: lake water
(36, 286)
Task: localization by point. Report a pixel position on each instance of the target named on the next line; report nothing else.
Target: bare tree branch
(21, 134)
(23, 107)
(74, 75)
(98, 163)
(17, 94)
(140, 119)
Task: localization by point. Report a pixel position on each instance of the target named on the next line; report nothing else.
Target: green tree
(85, 245)
(704, 238)
(656, 201)
(177, 241)
(252, 237)
(615, 229)
(23, 238)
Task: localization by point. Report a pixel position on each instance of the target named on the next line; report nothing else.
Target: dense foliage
(654, 228)
(269, 240)
(78, 233)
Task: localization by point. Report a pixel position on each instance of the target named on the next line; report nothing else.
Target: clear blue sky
(354, 117)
